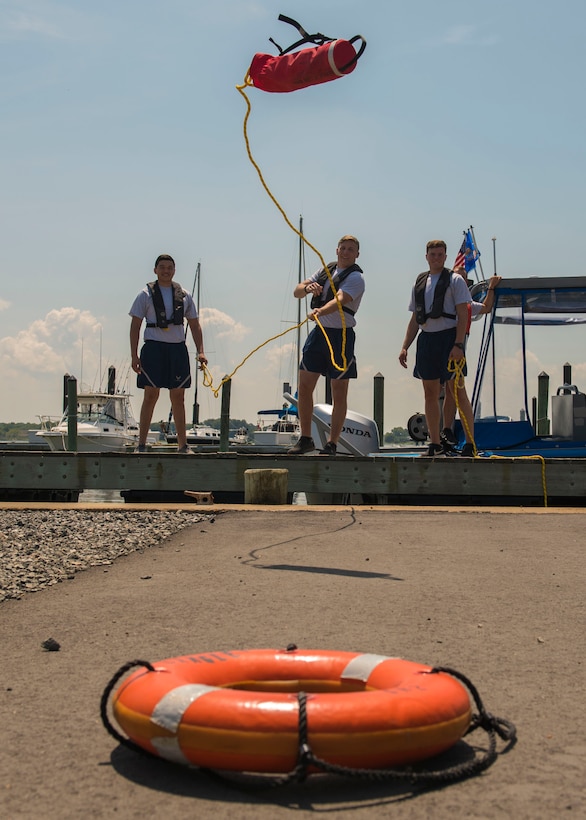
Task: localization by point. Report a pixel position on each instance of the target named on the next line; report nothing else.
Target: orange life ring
(239, 710)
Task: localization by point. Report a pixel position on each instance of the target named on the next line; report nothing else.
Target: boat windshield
(103, 409)
(536, 329)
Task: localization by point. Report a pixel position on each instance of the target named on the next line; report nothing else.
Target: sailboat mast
(197, 279)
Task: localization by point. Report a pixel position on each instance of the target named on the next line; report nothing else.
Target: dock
(379, 479)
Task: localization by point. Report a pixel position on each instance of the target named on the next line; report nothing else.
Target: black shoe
(448, 441)
(435, 451)
(142, 448)
(467, 450)
(447, 437)
(304, 445)
(329, 449)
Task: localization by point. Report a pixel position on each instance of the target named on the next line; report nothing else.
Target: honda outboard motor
(359, 433)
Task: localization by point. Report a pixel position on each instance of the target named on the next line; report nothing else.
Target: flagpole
(494, 253)
(476, 246)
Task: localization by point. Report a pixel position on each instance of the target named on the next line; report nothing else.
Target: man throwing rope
(336, 312)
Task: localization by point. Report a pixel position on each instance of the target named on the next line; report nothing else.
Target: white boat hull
(275, 438)
(105, 423)
(89, 442)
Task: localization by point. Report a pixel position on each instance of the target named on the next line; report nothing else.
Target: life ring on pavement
(239, 710)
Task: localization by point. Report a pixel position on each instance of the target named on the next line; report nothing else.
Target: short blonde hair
(349, 238)
(436, 243)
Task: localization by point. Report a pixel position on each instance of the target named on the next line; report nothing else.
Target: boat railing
(47, 422)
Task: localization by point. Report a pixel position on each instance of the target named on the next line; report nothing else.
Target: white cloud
(275, 355)
(4, 305)
(222, 325)
(23, 17)
(53, 344)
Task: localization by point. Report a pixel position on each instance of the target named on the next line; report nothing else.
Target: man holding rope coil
(336, 315)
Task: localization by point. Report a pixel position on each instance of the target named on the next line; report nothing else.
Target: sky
(122, 138)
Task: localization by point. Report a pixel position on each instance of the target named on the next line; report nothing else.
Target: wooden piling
(265, 486)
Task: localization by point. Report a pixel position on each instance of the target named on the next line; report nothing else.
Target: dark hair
(164, 257)
(436, 243)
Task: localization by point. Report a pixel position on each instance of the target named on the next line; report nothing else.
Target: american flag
(468, 253)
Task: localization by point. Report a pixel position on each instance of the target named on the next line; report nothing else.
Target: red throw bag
(327, 60)
(299, 69)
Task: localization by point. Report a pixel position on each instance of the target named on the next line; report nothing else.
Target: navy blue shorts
(318, 359)
(433, 353)
(164, 365)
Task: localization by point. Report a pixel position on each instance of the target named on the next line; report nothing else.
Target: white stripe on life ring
(361, 667)
(169, 749)
(170, 709)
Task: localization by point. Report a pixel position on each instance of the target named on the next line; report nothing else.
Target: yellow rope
(457, 367)
(536, 456)
(343, 367)
(207, 380)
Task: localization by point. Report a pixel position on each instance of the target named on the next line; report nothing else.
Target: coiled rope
(457, 367)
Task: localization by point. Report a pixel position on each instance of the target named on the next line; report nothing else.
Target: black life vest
(437, 308)
(159, 305)
(324, 280)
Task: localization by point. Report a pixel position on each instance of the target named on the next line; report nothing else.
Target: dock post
(379, 405)
(64, 399)
(567, 374)
(542, 404)
(225, 416)
(265, 486)
(72, 414)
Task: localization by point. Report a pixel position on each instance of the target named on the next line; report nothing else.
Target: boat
(196, 435)
(105, 422)
(280, 432)
(532, 318)
(202, 435)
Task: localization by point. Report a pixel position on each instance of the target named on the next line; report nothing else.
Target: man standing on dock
(439, 308)
(164, 359)
(334, 312)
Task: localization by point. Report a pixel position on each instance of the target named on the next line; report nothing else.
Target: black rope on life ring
(124, 741)
(492, 725)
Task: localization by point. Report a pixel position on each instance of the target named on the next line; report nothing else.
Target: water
(101, 497)
(114, 497)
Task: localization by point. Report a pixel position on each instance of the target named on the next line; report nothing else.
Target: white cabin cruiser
(105, 422)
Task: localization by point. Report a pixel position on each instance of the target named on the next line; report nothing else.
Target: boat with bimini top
(533, 319)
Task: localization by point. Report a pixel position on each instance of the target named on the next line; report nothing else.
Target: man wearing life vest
(477, 309)
(439, 317)
(317, 358)
(164, 359)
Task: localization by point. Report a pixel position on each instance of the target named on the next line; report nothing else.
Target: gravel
(42, 548)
